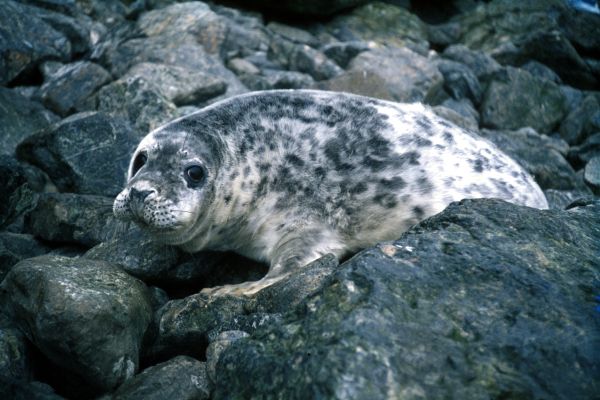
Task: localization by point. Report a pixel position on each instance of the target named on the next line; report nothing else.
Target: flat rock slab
(86, 316)
(486, 299)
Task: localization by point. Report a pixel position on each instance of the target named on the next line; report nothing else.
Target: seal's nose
(139, 196)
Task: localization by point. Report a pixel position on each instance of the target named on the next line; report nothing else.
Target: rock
(86, 316)
(581, 122)
(216, 347)
(194, 18)
(541, 71)
(343, 52)
(242, 67)
(560, 199)
(86, 153)
(27, 41)
(465, 108)
(582, 29)
(390, 74)
(293, 34)
(538, 155)
(68, 218)
(20, 118)
(591, 174)
(15, 354)
(482, 65)
(179, 85)
(16, 197)
(135, 100)
(465, 122)
(444, 34)
(306, 8)
(71, 84)
(515, 99)
(460, 82)
(278, 80)
(179, 50)
(15, 247)
(313, 62)
(421, 316)
(382, 23)
(179, 378)
(23, 390)
(580, 155)
(138, 256)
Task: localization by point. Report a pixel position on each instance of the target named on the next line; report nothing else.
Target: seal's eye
(139, 162)
(194, 175)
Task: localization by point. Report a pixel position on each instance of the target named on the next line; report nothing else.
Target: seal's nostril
(139, 195)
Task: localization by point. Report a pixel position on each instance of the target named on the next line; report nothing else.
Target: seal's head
(170, 185)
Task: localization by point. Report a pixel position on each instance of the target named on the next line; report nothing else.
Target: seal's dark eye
(138, 163)
(194, 174)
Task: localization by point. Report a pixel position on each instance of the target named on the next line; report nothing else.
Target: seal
(287, 176)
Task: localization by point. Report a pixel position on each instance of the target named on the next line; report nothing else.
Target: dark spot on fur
(478, 165)
(422, 142)
(246, 170)
(448, 137)
(424, 185)
(360, 187)
(294, 160)
(418, 211)
(387, 200)
(394, 183)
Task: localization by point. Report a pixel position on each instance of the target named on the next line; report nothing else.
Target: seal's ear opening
(138, 163)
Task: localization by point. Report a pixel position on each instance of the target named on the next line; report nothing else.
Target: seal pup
(287, 176)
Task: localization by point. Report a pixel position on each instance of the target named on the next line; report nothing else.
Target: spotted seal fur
(285, 177)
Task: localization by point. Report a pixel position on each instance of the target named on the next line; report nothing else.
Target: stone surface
(67, 218)
(482, 65)
(71, 84)
(582, 121)
(278, 80)
(305, 7)
(179, 378)
(460, 82)
(304, 58)
(15, 354)
(20, 118)
(391, 74)
(539, 155)
(580, 155)
(515, 99)
(179, 85)
(86, 316)
(382, 23)
(26, 41)
(592, 174)
(85, 153)
(431, 316)
(343, 52)
(15, 247)
(16, 196)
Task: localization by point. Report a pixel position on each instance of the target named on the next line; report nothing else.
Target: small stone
(306, 59)
(71, 84)
(343, 52)
(581, 122)
(294, 34)
(591, 174)
(242, 67)
(460, 82)
(582, 154)
(482, 65)
(16, 196)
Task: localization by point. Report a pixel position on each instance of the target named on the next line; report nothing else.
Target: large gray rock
(515, 99)
(460, 82)
(26, 40)
(15, 247)
(180, 378)
(391, 74)
(86, 153)
(20, 118)
(68, 218)
(71, 84)
(177, 84)
(582, 121)
(86, 316)
(16, 197)
(540, 155)
(482, 65)
(433, 316)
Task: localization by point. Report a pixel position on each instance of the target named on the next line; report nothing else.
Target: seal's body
(288, 176)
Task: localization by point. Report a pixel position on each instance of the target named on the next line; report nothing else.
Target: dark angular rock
(460, 82)
(86, 153)
(443, 35)
(15, 247)
(138, 255)
(135, 100)
(465, 122)
(580, 155)
(20, 117)
(293, 34)
(180, 85)
(17, 197)
(22, 390)
(561, 199)
(382, 23)
(515, 99)
(463, 107)
(86, 316)
(216, 348)
(482, 65)
(433, 316)
(343, 52)
(541, 71)
(15, 353)
(71, 84)
(179, 378)
(26, 41)
(581, 28)
(592, 174)
(68, 218)
(392, 74)
(278, 80)
(304, 58)
(581, 122)
(539, 155)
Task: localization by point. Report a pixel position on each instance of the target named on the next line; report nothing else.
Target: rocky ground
(485, 300)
